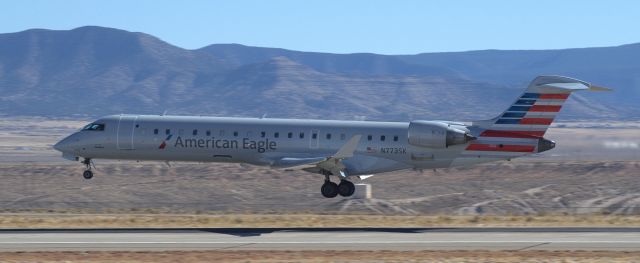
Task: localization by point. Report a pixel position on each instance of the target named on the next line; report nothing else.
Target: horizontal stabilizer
(570, 87)
(561, 84)
(598, 88)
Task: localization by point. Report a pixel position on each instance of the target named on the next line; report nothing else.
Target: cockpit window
(94, 127)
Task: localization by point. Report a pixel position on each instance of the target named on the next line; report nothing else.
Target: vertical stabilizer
(520, 129)
(533, 111)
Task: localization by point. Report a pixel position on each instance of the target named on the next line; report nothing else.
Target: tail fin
(532, 113)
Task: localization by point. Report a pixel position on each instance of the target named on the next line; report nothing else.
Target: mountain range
(92, 71)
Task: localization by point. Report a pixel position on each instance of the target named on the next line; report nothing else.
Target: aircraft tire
(346, 188)
(87, 174)
(329, 189)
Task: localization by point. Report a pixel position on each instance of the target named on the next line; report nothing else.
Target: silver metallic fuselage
(383, 147)
(330, 148)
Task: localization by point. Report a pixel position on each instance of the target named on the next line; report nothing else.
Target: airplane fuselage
(329, 148)
(383, 147)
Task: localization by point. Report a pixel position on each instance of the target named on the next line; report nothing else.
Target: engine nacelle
(434, 134)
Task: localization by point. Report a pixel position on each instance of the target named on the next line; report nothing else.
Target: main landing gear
(330, 189)
(87, 174)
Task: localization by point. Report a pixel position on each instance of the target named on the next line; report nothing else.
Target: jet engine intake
(434, 134)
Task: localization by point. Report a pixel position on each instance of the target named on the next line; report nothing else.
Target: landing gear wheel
(346, 188)
(329, 189)
(88, 174)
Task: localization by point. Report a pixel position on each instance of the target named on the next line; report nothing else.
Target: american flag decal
(371, 149)
(164, 143)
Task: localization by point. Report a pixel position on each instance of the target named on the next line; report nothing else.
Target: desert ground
(590, 179)
(593, 171)
(504, 188)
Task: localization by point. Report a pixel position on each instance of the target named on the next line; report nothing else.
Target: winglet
(348, 148)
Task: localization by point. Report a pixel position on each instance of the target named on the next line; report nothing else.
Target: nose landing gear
(87, 174)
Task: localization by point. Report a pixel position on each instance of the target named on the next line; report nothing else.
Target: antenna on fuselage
(263, 116)
(164, 113)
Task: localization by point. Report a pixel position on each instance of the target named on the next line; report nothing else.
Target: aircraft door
(314, 139)
(126, 129)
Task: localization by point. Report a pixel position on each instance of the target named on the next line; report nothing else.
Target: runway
(402, 239)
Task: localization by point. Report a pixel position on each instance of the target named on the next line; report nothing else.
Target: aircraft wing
(332, 164)
(288, 162)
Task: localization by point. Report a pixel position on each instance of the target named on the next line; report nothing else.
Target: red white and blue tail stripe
(520, 129)
(530, 116)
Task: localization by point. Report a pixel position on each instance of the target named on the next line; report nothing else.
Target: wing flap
(293, 162)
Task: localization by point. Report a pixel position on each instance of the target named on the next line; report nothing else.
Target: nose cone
(61, 146)
(68, 147)
(64, 145)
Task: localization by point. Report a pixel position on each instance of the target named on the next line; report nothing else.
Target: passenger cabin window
(167, 131)
(208, 133)
(314, 135)
(263, 134)
(290, 135)
(382, 137)
(94, 127)
(276, 134)
(155, 131)
(395, 138)
(195, 132)
(235, 134)
(369, 137)
(302, 135)
(328, 136)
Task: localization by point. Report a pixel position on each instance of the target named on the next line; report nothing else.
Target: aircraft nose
(64, 145)
(60, 146)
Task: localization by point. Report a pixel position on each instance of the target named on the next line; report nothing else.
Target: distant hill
(95, 71)
(617, 67)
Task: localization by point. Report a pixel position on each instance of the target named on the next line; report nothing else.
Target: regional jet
(340, 149)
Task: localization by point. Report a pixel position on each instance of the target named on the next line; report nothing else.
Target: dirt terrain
(503, 188)
(590, 179)
(131, 220)
(567, 180)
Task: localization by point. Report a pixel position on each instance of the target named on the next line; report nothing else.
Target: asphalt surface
(406, 239)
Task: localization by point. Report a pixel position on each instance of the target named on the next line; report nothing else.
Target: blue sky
(386, 27)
